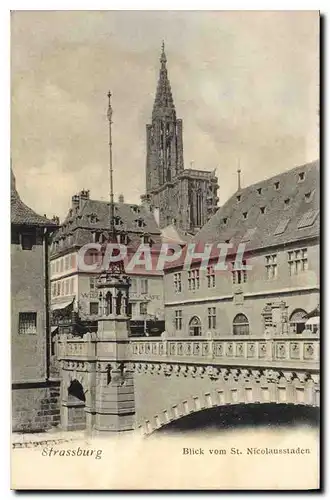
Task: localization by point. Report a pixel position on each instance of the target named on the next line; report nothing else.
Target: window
(133, 285)
(73, 261)
(132, 309)
(145, 238)
(177, 282)
(92, 284)
(297, 320)
(54, 289)
(301, 176)
(195, 328)
(93, 308)
(245, 215)
(58, 288)
(178, 319)
(57, 266)
(61, 265)
(259, 190)
(71, 286)
(238, 197)
(210, 274)
(143, 308)
(298, 261)
(193, 279)
(241, 325)
(308, 219)
(28, 240)
(277, 185)
(281, 227)
(287, 201)
(239, 275)
(224, 220)
(93, 218)
(212, 317)
(271, 266)
(262, 210)
(27, 323)
(144, 286)
(140, 222)
(66, 287)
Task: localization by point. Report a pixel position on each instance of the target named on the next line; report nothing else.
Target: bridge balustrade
(292, 350)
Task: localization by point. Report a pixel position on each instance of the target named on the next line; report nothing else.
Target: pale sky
(246, 85)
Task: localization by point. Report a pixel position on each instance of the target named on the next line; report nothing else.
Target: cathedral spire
(163, 105)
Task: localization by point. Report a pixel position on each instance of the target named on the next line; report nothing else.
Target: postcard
(165, 235)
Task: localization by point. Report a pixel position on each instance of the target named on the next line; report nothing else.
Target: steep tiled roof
(173, 234)
(94, 216)
(21, 214)
(278, 210)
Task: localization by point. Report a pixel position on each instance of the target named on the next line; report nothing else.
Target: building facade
(184, 197)
(34, 394)
(88, 221)
(278, 222)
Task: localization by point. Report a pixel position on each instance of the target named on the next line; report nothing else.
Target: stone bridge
(160, 380)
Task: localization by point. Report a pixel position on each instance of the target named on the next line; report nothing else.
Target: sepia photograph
(165, 250)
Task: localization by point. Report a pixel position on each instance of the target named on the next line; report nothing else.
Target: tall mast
(112, 208)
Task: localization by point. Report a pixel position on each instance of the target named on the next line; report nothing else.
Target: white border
(5, 155)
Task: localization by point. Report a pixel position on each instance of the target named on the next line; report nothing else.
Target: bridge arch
(276, 388)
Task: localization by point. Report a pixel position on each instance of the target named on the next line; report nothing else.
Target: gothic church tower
(186, 198)
(164, 135)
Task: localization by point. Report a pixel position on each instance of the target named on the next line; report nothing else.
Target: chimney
(121, 198)
(84, 194)
(56, 219)
(75, 202)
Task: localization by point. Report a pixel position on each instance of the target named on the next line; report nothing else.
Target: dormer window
(93, 218)
(140, 223)
(145, 238)
(238, 198)
(123, 239)
(262, 210)
(277, 185)
(118, 220)
(245, 214)
(301, 176)
(259, 190)
(98, 237)
(309, 196)
(135, 209)
(287, 201)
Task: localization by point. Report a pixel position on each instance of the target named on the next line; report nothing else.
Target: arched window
(297, 321)
(118, 303)
(108, 299)
(199, 207)
(241, 325)
(76, 391)
(195, 327)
